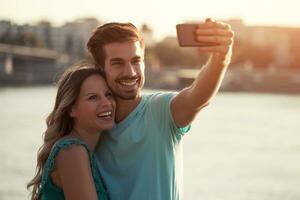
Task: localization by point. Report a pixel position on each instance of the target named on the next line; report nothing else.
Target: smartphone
(186, 36)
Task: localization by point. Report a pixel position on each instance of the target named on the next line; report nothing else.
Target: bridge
(19, 64)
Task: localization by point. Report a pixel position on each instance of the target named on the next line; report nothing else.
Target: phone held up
(186, 36)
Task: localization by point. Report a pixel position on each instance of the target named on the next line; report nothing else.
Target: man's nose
(129, 70)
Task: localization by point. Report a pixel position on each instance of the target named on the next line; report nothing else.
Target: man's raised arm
(188, 102)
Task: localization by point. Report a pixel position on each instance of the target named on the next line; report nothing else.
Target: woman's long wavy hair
(59, 123)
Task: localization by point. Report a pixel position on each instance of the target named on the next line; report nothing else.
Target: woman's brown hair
(59, 123)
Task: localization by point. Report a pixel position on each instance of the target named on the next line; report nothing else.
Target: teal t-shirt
(141, 157)
(49, 191)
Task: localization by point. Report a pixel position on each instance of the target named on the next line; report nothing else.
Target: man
(140, 158)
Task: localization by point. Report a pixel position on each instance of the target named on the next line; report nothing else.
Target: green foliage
(170, 54)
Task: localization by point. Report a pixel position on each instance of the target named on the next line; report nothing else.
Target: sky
(160, 15)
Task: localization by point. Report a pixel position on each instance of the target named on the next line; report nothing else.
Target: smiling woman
(84, 107)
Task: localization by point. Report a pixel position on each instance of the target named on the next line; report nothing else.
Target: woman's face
(94, 109)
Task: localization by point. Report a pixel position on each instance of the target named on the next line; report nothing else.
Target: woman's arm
(74, 171)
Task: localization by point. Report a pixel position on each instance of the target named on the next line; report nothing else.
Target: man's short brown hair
(110, 33)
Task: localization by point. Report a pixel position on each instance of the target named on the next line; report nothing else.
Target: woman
(84, 107)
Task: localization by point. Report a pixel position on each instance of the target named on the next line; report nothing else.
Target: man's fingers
(214, 24)
(216, 39)
(214, 31)
(215, 49)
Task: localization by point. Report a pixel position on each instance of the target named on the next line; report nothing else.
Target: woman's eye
(93, 97)
(109, 94)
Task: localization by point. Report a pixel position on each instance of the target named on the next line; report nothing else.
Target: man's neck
(125, 107)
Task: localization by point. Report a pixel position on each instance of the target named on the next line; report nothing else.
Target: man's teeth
(105, 114)
(128, 83)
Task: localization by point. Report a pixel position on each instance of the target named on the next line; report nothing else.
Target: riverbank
(243, 146)
(278, 81)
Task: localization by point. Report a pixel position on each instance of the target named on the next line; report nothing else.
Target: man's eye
(109, 94)
(135, 62)
(117, 63)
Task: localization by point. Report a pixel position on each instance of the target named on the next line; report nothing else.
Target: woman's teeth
(105, 114)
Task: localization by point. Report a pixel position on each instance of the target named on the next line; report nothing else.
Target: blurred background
(245, 145)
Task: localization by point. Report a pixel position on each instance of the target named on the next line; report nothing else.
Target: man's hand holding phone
(209, 37)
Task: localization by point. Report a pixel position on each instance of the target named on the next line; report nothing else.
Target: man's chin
(128, 95)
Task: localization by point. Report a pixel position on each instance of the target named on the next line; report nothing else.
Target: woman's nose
(105, 102)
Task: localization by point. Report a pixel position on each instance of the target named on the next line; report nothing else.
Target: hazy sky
(161, 15)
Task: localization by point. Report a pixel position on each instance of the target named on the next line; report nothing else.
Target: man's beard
(128, 95)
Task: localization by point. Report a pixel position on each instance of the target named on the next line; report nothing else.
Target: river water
(243, 146)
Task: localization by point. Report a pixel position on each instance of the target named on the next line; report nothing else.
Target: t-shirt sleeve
(161, 107)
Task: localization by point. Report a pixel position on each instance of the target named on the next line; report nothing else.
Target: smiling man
(141, 157)
(124, 69)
